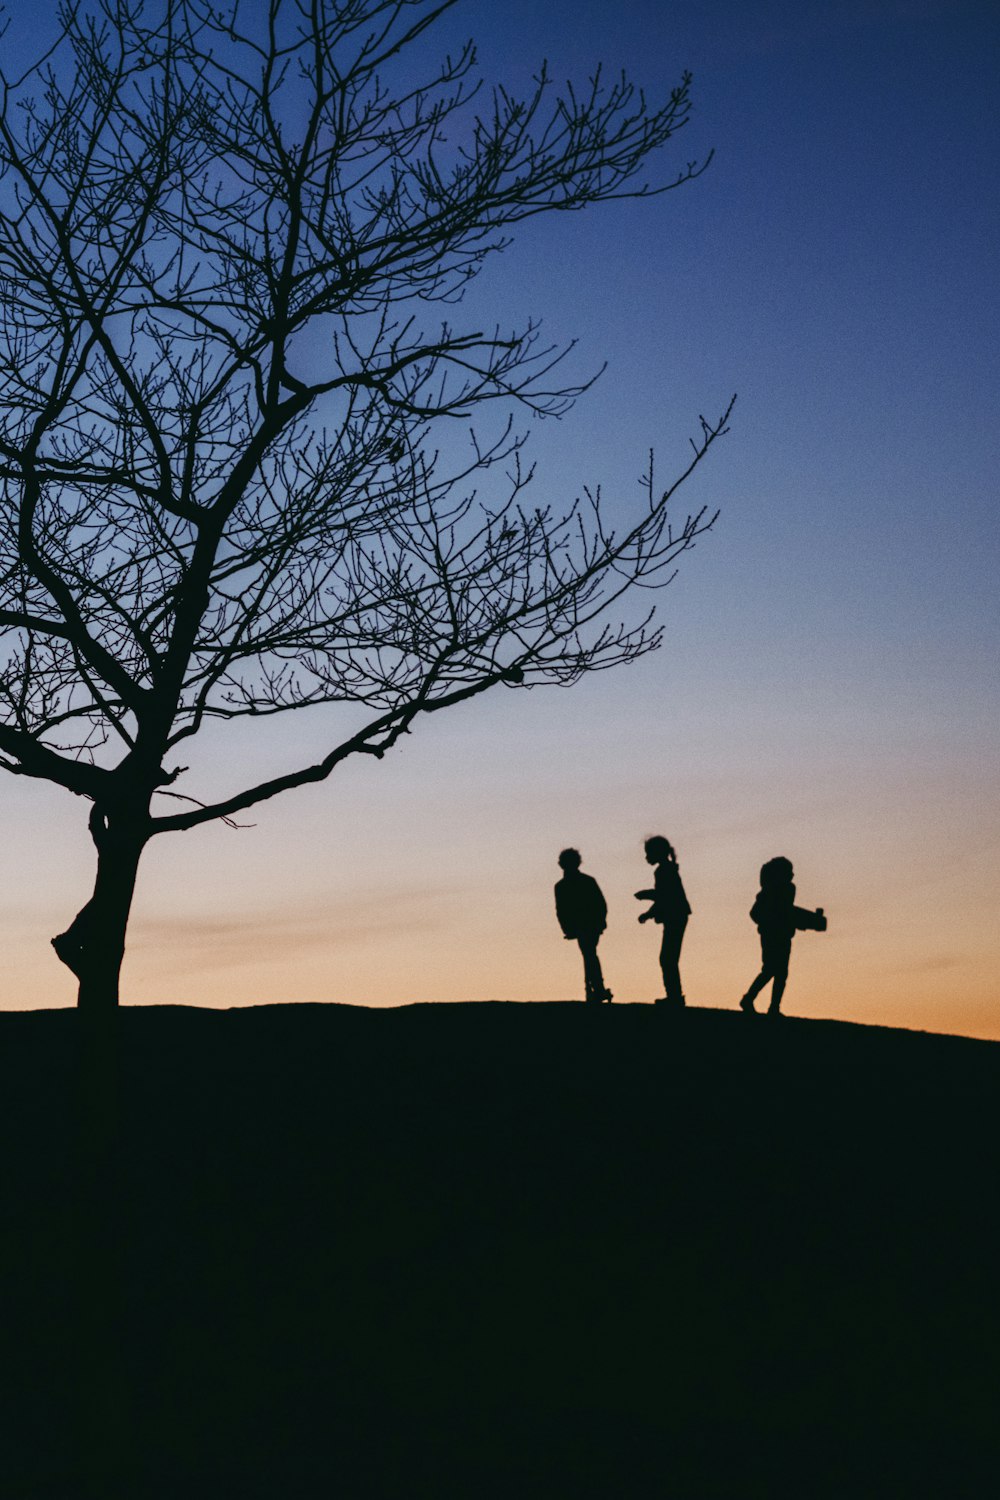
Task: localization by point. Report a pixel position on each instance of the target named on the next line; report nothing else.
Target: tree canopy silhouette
(233, 250)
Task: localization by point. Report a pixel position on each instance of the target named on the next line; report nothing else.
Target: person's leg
(592, 976)
(766, 974)
(602, 988)
(670, 959)
(780, 965)
(762, 978)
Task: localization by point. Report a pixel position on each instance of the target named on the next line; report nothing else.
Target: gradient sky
(828, 687)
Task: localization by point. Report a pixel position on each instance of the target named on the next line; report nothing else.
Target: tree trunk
(94, 945)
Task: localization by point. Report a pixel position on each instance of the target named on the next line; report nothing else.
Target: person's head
(659, 850)
(777, 871)
(570, 859)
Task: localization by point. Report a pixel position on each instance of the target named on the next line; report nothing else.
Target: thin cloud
(210, 940)
(934, 964)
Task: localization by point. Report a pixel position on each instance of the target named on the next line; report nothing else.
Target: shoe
(773, 1010)
(608, 996)
(746, 1005)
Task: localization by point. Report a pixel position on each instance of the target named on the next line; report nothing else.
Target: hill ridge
(298, 1250)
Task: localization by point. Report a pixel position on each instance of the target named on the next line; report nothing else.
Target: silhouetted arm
(563, 911)
(601, 907)
(647, 916)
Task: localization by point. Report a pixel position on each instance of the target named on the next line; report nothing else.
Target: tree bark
(94, 944)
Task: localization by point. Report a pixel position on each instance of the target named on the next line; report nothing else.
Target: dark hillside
(471, 1250)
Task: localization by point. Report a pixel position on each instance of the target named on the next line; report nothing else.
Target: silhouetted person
(583, 915)
(778, 919)
(670, 908)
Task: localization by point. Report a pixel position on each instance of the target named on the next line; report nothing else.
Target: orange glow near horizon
(366, 893)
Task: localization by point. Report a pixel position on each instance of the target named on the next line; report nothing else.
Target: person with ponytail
(671, 909)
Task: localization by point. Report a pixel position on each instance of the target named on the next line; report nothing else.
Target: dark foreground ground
(515, 1250)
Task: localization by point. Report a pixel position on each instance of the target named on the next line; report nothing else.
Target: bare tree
(232, 390)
